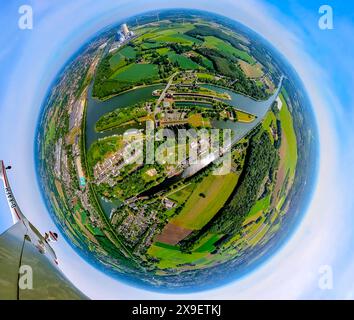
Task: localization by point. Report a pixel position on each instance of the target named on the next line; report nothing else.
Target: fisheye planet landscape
(176, 150)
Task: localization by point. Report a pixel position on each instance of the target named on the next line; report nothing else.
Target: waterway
(96, 109)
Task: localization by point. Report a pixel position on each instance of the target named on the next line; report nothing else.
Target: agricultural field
(136, 73)
(207, 198)
(205, 76)
(183, 62)
(120, 58)
(260, 207)
(171, 257)
(288, 154)
(218, 44)
(251, 70)
(290, 138)
(182, 193)
(207, 244)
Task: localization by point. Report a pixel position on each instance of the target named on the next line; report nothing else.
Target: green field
(183, 62)
(151, 45)
(163, 51)
(118, 60)
(101, 148)
(260, 205)
(136, 73)
(288, 128)
(182, 194)
(207, 63)
(204, 76)
(171, 258)
(268, 120)
(199, 210)
(207, 244)
(128, 52)
(169, 35)
(177, 38)
(218, 44)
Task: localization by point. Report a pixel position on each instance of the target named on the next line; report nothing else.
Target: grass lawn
(136, 72)
(199, 210)
(223, 46)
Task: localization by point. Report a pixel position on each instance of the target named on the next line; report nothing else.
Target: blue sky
(29, 61)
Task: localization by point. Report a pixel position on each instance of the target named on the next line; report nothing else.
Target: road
(163, 94)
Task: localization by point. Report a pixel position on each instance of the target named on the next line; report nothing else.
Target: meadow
(289, 132)
(183, 62)
(118, 60)
(219, 44)
(136, 73)
(206, 200)
(171, 257)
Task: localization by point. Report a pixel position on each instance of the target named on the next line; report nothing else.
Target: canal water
(96, 109)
